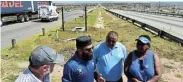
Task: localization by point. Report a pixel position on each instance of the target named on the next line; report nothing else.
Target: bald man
(109, 57)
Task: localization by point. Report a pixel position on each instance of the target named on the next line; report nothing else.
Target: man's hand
(100, 79)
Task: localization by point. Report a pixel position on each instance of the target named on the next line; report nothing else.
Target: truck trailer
(21, 11)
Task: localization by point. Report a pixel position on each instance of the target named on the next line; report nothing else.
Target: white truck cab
(48, 13)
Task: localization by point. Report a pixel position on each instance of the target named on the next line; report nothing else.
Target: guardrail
(157, 31)
(160, 13)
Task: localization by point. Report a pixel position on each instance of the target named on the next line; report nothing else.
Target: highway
(20, 31)
(171, 25)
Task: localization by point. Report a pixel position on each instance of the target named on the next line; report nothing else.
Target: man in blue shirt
(80, 68)
(109, 57)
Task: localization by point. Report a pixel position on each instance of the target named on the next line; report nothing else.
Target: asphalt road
(171, 25)
(20, 31)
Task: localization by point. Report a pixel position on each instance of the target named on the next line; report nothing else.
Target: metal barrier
(160, 33)
(159, 13)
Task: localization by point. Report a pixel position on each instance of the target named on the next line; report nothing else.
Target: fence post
(13, 41)
(133, 21)
(160, 33)
(43, 30)
(63, 18)
(56, 35)
(86, 18)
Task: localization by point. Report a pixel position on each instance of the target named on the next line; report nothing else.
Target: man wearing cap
(80, 67)
(109, 56)
(42, 61)
(142, 64)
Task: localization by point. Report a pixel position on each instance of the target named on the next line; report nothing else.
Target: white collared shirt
(28, 76)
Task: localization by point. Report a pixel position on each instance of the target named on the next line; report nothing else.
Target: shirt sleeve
(67, 74)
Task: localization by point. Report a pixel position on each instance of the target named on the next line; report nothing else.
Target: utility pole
(62, 18)
(85, 18)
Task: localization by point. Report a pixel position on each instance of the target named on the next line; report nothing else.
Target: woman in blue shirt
(142, 65)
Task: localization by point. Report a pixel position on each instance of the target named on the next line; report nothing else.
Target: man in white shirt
(42, 61)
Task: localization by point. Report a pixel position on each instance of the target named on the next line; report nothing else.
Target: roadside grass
(127, 35)
(179, 76)
(10, 58)
(129, 32)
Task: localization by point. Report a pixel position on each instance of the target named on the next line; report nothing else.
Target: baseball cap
(144, 39)
(83, 41)
(44, 55)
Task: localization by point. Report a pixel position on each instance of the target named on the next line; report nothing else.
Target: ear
(44, 68)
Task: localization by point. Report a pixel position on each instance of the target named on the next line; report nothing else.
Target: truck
(20, 11)
(48, 13)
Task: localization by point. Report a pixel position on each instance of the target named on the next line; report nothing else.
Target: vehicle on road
(20, 11)
(48, 12)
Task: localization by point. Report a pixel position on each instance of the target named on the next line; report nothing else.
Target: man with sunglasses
(42, 61)
(80, 67)
(142, 64)
(109, 56)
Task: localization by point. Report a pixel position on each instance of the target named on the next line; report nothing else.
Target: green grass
(179, 76)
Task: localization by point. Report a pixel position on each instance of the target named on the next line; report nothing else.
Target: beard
(87, 57)
(47, 72)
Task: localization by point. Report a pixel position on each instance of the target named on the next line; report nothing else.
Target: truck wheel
(51, 19)
(26, 17)
(56, 19)
(21, 18)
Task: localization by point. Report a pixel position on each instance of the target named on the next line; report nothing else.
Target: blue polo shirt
(109, 62)
(78, 70)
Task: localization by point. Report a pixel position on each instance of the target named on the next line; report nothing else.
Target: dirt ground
(172, 71)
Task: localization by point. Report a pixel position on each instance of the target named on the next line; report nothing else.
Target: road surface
(20, 31)
(171, 25)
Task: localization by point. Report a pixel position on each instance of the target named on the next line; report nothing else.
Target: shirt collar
(115, 46)
(46, 78)
(29, 71)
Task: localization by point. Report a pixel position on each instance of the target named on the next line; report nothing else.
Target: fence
(160, 32)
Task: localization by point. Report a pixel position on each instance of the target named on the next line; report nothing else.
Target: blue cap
(144, 40)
